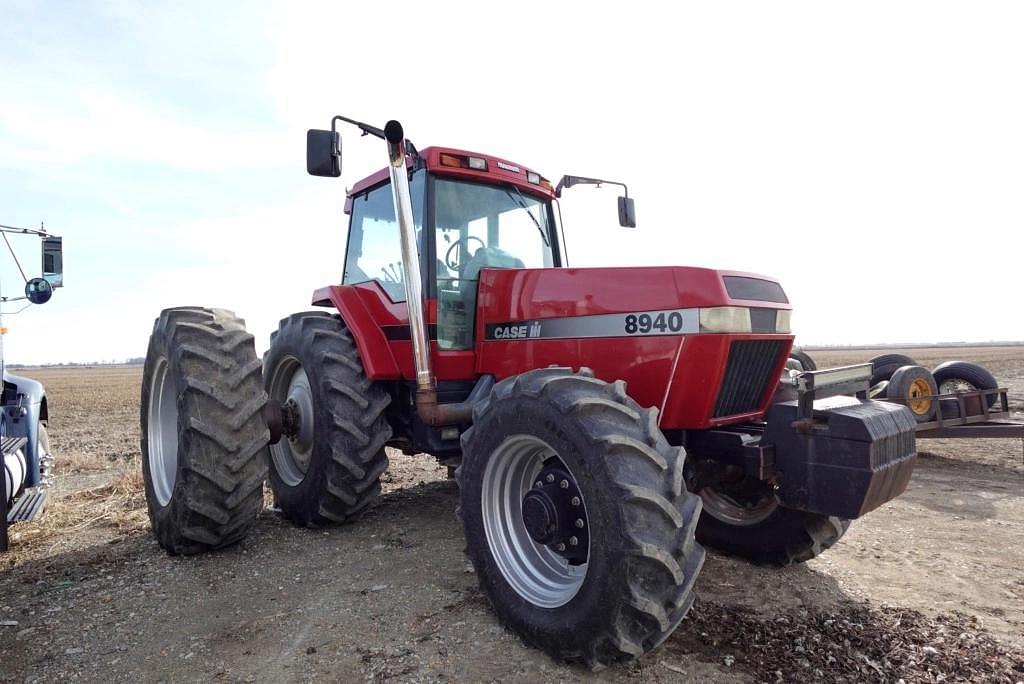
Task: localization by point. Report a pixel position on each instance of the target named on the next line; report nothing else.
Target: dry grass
(115, 508)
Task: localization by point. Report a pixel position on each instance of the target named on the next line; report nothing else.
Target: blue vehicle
(24, 444)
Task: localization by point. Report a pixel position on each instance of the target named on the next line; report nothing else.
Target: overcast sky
(869, 155)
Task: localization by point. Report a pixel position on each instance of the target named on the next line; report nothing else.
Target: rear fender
(374, 350)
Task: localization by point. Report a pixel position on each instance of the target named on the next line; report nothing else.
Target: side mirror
(627, 212)
(53, 262)
(323, 153)
(38, 290)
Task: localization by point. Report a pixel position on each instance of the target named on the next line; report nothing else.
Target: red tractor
(600, 421)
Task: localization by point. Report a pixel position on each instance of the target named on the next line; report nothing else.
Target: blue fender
(31, 396)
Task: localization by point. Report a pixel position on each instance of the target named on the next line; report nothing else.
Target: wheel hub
(553, 513)
(293, 418)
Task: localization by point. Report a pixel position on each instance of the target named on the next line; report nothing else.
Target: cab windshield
(482, 226)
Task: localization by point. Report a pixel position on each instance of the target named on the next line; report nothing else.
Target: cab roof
(443, 160)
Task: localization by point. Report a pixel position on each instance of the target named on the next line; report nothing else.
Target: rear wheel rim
(740, 511)
(162, 433)
(292, 455)
(534, 571)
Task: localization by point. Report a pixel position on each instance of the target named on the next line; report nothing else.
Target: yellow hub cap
(919, 397)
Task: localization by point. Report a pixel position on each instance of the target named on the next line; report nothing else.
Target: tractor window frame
(429, 259)
(418, 193)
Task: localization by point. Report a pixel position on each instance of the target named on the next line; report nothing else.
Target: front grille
(749, 374)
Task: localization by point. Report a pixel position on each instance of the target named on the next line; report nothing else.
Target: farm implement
(955, 400)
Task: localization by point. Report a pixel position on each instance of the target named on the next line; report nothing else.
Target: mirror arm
(365, 128)
(569, 181)
(24, 231)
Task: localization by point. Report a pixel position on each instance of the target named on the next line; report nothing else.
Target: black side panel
(755, 289)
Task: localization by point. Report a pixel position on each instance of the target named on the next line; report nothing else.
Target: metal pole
(400, 193)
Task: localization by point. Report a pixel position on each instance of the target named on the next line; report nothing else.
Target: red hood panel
(547, 293)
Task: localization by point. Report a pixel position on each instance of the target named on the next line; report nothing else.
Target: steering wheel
(449, 259)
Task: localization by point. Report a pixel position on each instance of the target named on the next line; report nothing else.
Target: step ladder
(30, 504)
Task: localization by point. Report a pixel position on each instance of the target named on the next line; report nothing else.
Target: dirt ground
(928, 588)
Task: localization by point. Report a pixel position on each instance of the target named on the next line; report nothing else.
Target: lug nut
(550, 478)
(538, 484)
(579, 523)
(561, 547)
(564, 484)
(575, 501)
(573, 541)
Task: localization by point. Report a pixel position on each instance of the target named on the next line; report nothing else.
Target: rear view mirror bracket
(627, 209)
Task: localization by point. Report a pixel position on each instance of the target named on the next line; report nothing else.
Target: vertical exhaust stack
(429, 411)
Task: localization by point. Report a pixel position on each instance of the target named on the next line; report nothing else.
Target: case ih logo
(508, 167)
(519, 331)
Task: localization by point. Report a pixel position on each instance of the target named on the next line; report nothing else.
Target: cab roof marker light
(533, 177)
(478, 163)
(452, 160)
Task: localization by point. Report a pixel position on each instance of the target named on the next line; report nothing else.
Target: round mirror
(38, 290)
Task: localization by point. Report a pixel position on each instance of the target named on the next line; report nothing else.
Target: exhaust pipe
(429, 411)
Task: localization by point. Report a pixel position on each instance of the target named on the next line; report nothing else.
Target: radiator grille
(748, 376)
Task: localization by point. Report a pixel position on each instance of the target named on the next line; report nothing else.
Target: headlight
(725, 319)
(782, 321)
(740, 319)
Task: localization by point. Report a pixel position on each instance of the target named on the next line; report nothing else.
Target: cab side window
(374, 246)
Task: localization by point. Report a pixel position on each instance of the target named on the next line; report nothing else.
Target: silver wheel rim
(956, 386)
(162, 433)
(292, 455)
(534, 571)
(725, 508)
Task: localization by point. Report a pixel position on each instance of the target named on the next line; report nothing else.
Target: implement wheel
(576, 516)
(915, 387)
(203, 434)
(744, 519)
(954, 377)
(327, 465)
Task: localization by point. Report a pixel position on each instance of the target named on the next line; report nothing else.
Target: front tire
(328, 470)
(582, 445)
(745, 520)
(203, 433)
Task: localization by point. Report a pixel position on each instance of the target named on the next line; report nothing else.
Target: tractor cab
(471, 211)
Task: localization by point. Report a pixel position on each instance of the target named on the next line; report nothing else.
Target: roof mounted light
(533, 177)
(478, 163)
(451, 160)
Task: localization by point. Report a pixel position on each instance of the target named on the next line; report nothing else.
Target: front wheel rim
(162, 433)
(534, 571)
(733, 511)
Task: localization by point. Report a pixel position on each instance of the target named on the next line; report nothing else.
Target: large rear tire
(615, 575)
(204, 437)
(328, 470)
(745, 520)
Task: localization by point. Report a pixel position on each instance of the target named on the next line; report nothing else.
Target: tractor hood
(704, 346)
(508, 295)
